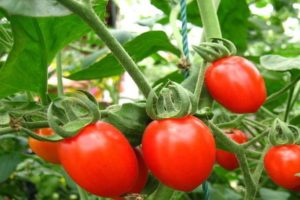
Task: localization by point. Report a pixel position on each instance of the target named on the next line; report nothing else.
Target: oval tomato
(227, 159)
(180, 152)
(46, 150)
(282, 163)
(100, 159)
(236, 84)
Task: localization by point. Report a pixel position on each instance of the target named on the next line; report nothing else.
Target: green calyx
(67, 115)
(170, 101)
(215, 49)
(282, 133)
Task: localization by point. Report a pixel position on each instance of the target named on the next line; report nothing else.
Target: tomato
(143, 173)
(180, 152)
(227, 159)
(46, 150)
(236, 84)
(282, 163)
(100, 160)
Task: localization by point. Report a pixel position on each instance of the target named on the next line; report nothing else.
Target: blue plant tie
(185, 48)
(184, 34)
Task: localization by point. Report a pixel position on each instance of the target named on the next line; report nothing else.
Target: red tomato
(180, 152)
(282, 163)
(143, 173)
(100, 159)
(46, 150)
(227, 159)
(236, 84)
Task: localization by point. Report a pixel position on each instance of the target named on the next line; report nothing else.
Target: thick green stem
(60, 86)
(248, 180)
(296, 96)
(234, 123)
(269, 113)
(209, 18)
(288, 105)
(173, 22)
(232, 145)
(91, 18)
(30, 125)
(283, 90)
(200, 81)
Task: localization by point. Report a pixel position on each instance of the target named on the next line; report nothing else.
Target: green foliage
(139, 48)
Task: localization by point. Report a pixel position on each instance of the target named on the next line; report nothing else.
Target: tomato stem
(209, 18)
(288, 105)
(282, 90)
(31, 125)
(256, 139)
(233, 123)
(91, 18)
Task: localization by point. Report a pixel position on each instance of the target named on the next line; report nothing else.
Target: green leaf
(139, 48)
(267, 194)
(8, 164)
(34, 8)
(280, 63)
(130, 118)
(36, 42)
(231, 13)
(221, 192)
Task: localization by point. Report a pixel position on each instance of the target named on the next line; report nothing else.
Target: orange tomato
(46, 150)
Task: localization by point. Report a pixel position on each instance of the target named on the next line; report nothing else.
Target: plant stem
(91, 18)
(233, 123)
(30, 125)
(296, 96)
(209, 18)
(176, 32)
(60, 86)
(200, 82)
(288, 105)
(232, 145)
(269, 113)
(283, 90)
(256, 139)
(248, 180)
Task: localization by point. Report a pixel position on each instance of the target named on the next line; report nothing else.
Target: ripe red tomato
(100, 159)
(236, 84)
(46, 150)
(282, 163)
(180, 152)
(227, 159)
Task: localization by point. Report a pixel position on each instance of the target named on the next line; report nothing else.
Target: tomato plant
(236, 84)
(227, 159)
(174, 151)
(282, 164)
(100, 160)
(46, 150)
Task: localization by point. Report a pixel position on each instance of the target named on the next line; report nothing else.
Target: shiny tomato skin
(143, 173)
(227, 159)
(180, 152)
(236, 84)
(100, 159)
(46, 150)
(282, 163)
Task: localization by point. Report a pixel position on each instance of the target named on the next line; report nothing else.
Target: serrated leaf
(280, 63)
(36, 42)
(34, 8)
(139, 48)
